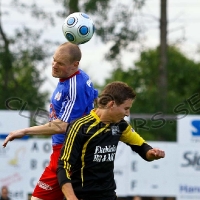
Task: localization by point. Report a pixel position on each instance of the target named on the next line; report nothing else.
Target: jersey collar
(64, 79)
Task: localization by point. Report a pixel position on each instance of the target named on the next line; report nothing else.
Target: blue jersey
(72, 98)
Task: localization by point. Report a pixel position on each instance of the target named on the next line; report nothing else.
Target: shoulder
(84, 79)
(123, 125)
(83, 73)
(83, 122)
(83, 76)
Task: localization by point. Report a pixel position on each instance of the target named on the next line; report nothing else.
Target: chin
(55, 75)
(116, 121)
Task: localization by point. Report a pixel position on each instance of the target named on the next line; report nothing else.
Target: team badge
(115, 130)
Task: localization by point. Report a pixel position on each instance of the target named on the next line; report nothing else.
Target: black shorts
(99, 198)
(102, 198)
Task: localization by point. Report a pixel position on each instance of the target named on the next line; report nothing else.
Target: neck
(103, 115)
(75, 73)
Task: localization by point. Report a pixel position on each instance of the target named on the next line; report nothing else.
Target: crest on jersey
(57, 96)
(115, 130)
(89, 82)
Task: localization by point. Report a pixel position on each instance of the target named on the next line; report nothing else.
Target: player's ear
(110, 104)
(76, 63)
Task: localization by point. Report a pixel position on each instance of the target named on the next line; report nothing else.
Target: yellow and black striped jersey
(88, 153)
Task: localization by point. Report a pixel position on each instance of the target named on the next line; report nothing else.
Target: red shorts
(47, 187)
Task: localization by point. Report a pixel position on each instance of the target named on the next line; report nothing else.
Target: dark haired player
(85, 168)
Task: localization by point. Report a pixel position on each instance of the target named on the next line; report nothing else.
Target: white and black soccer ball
(78, 28)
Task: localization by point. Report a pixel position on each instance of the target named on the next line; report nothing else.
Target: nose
(54, 64)
(127, 113)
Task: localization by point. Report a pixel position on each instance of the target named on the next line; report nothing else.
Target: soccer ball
(78, 28)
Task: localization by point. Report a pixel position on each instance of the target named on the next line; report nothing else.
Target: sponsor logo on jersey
(106, 149)
(115, 130)
(44, 186)
(58, 96)
(105, 154)
(52, 113)
(89, 82)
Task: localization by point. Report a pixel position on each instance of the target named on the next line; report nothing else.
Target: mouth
(54, 70)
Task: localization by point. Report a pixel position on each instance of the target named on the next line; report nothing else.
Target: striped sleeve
(71, 149)
(69, 152)
(131, 137)
(69, 102)
(135, 141)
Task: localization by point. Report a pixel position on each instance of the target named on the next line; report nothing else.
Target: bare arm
(54, 127)
(68, 191)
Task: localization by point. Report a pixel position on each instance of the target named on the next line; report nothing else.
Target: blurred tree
(23, 59)
(183, 91)
(22, 62)
(20, 77)
(113, 21)
(163, 59)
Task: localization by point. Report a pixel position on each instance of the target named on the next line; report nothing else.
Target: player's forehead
(127, 103)
(61, 56)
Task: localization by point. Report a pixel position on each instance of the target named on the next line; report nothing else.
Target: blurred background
(151, 45)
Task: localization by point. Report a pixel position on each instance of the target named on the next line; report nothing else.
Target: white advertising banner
(120, 169)
(154, 178)
(189, 172)
(188, 129)
(177, 175)
(189, 160)
(188, 188)
(13, 120)
(22, 163)
(144, 178)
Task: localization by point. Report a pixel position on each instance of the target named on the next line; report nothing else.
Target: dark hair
(116, 91)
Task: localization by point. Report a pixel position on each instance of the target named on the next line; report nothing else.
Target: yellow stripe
(72, 134)
(85, 146)
(92, 126)
(66, 152)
